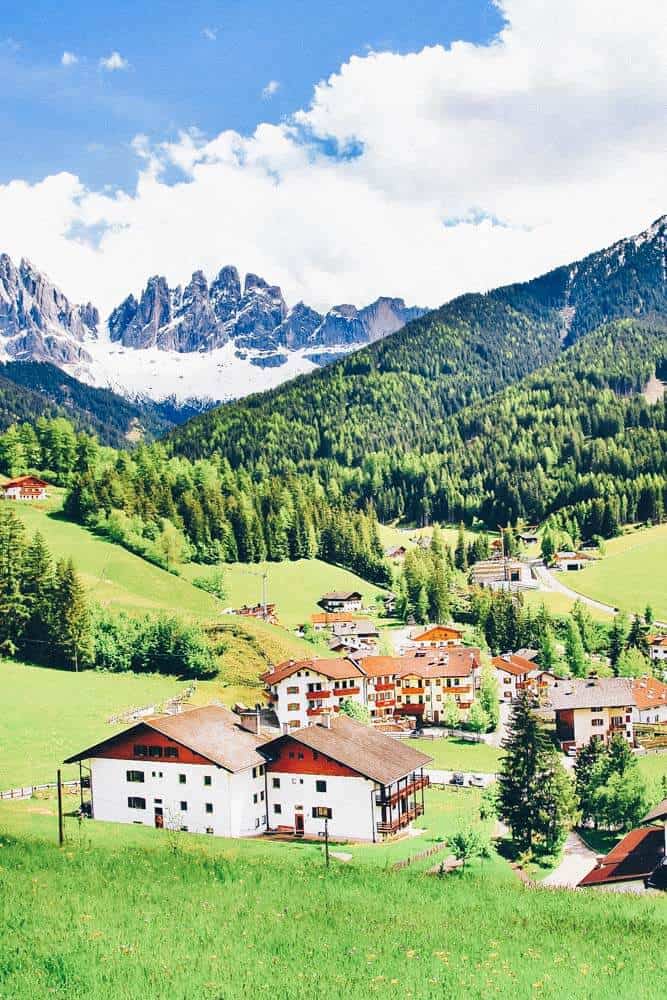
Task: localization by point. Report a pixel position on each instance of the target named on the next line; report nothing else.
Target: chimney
(326, 721)
(252, 721)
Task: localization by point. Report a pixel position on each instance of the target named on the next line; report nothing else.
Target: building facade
(25, 488)
(593, 708)
(341, 600)
(301, 691)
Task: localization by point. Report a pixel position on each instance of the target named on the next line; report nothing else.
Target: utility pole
(61, 835)
(326, 841)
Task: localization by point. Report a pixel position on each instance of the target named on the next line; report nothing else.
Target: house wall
(293, 701)
(656, 713)
(235, 813)
(351, 799)
(585, 726)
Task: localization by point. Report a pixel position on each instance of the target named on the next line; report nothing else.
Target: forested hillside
(30, 389)
(394, 395)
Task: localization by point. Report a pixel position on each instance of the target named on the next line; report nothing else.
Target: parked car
(477, 780)
(572, 751)
(457, 778)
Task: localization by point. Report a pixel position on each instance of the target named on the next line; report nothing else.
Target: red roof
(333, 669)
(512, 663)
(649, 693)
(436, 632)
(25, 481)
(635, 857)
(455, 662)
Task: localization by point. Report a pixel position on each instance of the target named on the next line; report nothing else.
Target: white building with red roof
(516, 674)
(24, 488)
(301, 691)
(650, 700)
(657, 647)
(202, 771)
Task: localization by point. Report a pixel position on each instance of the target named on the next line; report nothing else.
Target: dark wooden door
(298, 824)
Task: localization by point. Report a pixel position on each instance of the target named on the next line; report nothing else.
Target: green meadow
(295, 587)
(459, 755)
(632, 573)
(132, 913)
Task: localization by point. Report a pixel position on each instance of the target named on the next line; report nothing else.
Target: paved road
(551, 582)
(577, 861)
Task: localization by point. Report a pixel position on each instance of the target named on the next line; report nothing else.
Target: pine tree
(13, 608)
(461, 551)
(524, 795)
(574, 650)
(71, 616)
(548, 655)
(489, 697)
(617, 640)
(38, 588)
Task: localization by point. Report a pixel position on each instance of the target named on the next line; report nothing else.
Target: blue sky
(490, 142)
(204, 64)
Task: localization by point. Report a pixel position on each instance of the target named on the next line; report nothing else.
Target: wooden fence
(428, 853)
(27, 791)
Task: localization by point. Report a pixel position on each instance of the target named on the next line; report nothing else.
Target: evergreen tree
(617, 640)
(13, 607)
(548, 655)
(71, 616)
(531, 794)
(489, 697)
(574, 650)
(478, 720)
(461, 550)
(38, 589)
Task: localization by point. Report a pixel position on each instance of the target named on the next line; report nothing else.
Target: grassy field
(49, 714)
(113, 576)
(392, 535)
(122, 914)
(560, 604)
(653, 767)
(459, 755)
(295, 587)
(632, 574)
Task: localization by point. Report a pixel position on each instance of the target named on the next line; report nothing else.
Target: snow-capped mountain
(219, 341)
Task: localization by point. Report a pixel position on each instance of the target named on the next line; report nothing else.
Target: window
(291, 755)
(184, 807)
(134, 802)
(140, 750)
(293, 690)
(257, 821)
(322, 812)
(254, 798)
(597, 722)
(158, 802)
(182, 779)
(261, 796)
(171, 752)
(184, 829)
(207, 779)
(134, 775)
(320, 786)
(300, 756)
(156, 774)
(276, 782)
(294, 724)
(277, 808)
(209, 807)
(155, 751)
(597, 709)
(209, 829)
(316, 755)
(293, 706)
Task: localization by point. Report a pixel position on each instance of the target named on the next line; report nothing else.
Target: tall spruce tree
(71, 615)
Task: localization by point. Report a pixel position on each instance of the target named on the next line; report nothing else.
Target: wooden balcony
(387, 703)
(385, 687)
(412, 690)
(400, 822)
(417, 782)
(346, 692)
(316, 695)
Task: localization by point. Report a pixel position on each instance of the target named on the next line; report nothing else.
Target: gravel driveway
(577, 861)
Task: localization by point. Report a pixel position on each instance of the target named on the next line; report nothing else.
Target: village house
(529, 536)
(650, 700)
(568, 562)
(516, 673)
(341, 600)
(416, 686)
(25, 488)
(266, 612)
(199, 770)
(437, 637)
(202, 771)
(396, 553)
(657, 647)
(638, 862)
(592, 708)
(365, 784)
(323, 621)
(355, 636)
(502, 574)
(300, 691)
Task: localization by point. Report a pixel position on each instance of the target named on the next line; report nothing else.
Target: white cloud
(211, 34)
(112, 62)
(458, 169)
(271, 88)
(69, 59)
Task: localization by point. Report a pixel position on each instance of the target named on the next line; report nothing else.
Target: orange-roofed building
(650, 700)
(437, 637)
(25, 488)
(301, 691)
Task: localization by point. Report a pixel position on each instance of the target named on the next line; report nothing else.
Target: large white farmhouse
(204, 772)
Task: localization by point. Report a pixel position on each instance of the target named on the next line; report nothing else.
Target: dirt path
(549, 581)
(578, 860)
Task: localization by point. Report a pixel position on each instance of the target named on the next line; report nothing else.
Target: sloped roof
(361, 748)
(457, 661)
(339, 669)
(24, 481)
(635, 857)
(431, 633)
(658, 812)
(512, 663)
(608, 692)
(649, 692)
(341, 595)
(213, 732)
